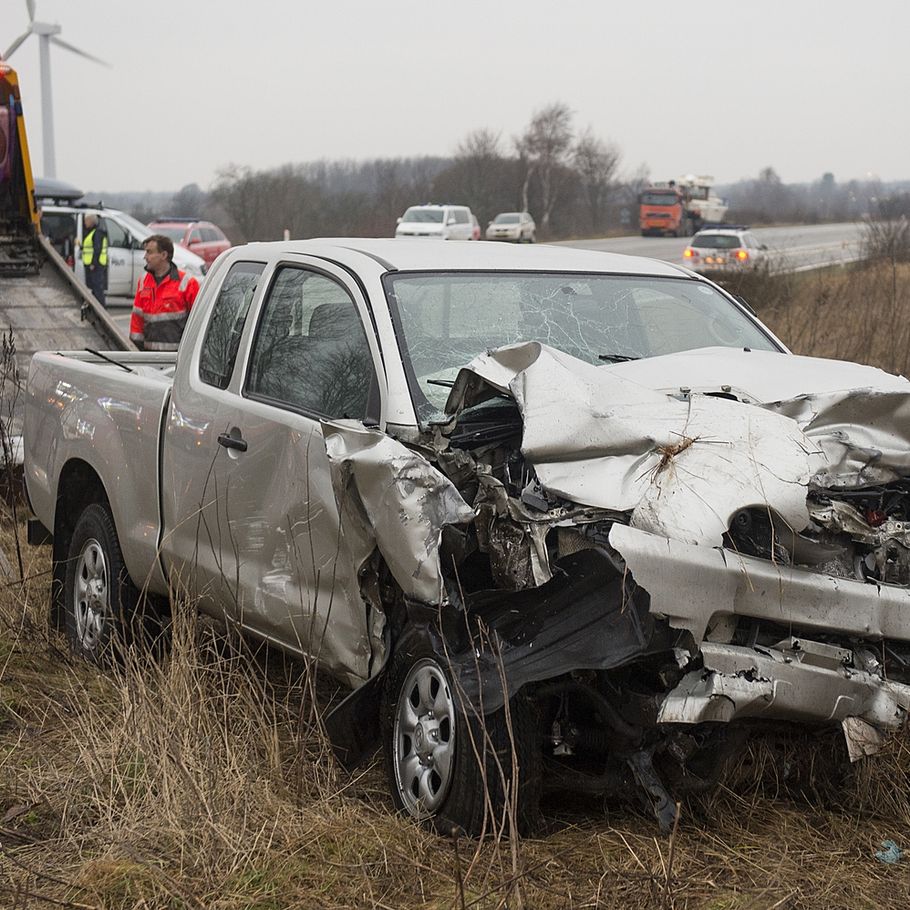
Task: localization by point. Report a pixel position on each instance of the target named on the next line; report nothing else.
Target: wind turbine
(47, 33)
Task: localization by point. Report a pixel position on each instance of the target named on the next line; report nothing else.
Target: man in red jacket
(164, 298)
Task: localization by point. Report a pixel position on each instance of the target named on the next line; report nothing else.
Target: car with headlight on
(725, 249)
(518, 227)
(568, 512)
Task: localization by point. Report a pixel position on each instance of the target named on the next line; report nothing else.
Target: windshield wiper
(448, 383)
(616, 358)
(116, 363)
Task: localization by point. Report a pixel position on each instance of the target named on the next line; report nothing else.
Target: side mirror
(398, 221)
(450, 221)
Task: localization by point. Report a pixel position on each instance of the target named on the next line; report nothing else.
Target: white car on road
(442, 222)
(725, 249)
(515, 226)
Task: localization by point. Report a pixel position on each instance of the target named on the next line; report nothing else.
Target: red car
(202, 237)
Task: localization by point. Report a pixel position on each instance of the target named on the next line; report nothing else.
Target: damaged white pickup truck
(558, 518)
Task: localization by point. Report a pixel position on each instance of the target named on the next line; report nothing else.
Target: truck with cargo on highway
(679, 208)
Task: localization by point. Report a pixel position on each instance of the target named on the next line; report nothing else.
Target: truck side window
(222, 337)
(310, 351)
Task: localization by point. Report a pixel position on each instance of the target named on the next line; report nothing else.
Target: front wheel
(448, 768)
(99, 597)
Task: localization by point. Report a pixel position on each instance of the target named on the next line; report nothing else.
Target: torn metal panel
(737, 682)
(864, 433)
(393, 499)
(587, 617)
(861, 737)
(684, 466)
(693, 585)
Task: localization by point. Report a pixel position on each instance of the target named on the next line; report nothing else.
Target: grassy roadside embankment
(203, 781)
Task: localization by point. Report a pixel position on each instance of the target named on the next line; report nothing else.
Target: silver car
(725, 249)
(518, 227)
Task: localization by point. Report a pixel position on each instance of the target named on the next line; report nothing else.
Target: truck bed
(47, 312)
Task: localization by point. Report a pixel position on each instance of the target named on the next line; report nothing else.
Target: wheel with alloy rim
(449, 769)
(91, 596)
(424, 735)
(98, 594)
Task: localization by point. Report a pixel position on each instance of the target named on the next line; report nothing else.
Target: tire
(432, 750)
(99, 598)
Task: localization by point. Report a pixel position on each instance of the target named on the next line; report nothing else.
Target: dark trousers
(96, 279)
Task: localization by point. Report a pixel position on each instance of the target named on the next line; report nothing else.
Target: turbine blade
(75, 50)
(31, 10)
(14, 46)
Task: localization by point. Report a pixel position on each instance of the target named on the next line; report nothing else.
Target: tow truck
(42, 303)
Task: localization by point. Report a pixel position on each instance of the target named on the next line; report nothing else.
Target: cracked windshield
(447, 319)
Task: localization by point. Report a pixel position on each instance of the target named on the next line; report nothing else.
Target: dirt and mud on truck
(19, 248)
(560, 519)
(679, 207)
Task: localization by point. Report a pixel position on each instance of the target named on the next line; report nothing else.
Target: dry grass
(203, 781)
(859, 313)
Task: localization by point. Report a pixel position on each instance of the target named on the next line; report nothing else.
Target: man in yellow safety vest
(94, 256)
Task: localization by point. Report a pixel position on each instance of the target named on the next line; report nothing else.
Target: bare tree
(479, 145)
(544, 148)
(189, 200)
(595, 162)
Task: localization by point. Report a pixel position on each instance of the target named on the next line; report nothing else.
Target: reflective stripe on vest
(88, 251)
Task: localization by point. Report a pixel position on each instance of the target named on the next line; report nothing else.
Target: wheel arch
(78, 487)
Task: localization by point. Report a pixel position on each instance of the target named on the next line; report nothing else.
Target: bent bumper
(738, 682)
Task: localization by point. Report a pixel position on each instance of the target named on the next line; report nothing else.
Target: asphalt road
(796, 248)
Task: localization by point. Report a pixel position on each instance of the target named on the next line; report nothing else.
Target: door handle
(233, 440)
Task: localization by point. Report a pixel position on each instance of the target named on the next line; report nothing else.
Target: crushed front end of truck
(649, 569)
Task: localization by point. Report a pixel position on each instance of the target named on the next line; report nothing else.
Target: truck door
(270, 542)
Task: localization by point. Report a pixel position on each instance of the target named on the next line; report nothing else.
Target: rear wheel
(447, 768)
(99, 598)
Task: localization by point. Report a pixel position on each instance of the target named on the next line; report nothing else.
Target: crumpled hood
(610, 438)
(757, 376)
(858, 415)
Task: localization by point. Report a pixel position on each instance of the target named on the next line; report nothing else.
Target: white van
(444, 222)
(62, 225)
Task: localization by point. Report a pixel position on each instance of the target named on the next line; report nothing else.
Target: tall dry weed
(860, 314)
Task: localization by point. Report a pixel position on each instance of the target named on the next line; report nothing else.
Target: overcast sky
(724, 88)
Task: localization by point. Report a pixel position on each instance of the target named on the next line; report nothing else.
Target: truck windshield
(659, 199)
(423, 216)
(446, 318)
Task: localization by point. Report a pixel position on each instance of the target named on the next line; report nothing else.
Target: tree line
(568, 178)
